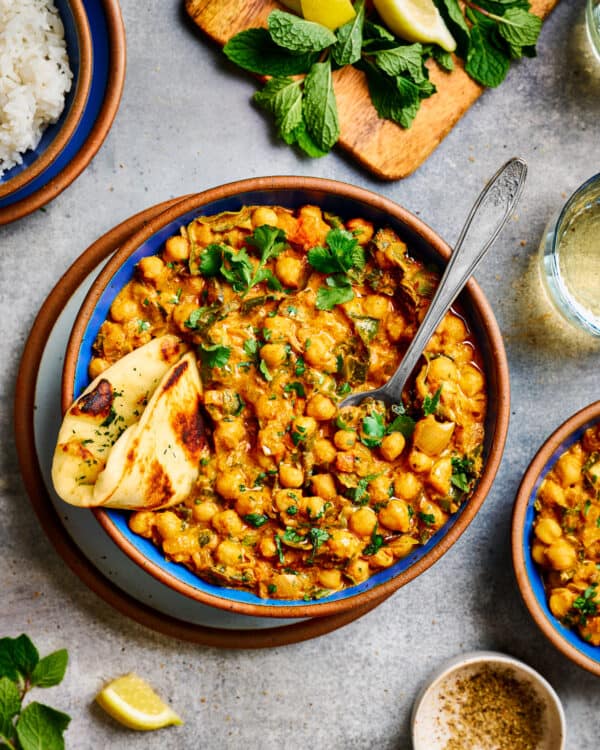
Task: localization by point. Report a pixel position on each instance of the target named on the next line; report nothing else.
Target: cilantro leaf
(297, 387)
(256, 519)
(298, 35)
(427, 518)
(348, 47)
(373, 430)
(463, 473)
(291, 536)
(51, 669)
(211, 259)
(264, 371)
(255, 51)
(376, 543)
(41, 728)
(237, 269)
(403, 424)
(317, 538)
(586, 604)
(337, 291)
(431, 403)
(271, 242)
(319, 106)
(214, 355)
(340, 254)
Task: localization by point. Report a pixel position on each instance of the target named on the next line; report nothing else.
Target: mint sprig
(34, 726)
(489, 34)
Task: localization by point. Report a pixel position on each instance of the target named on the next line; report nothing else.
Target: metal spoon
(489, 214)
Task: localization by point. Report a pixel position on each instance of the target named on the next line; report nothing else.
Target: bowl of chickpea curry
(556, 538)
(291, 293)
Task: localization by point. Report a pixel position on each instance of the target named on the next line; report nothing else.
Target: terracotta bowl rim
(82, 91)
(589, 413)
(498, 365)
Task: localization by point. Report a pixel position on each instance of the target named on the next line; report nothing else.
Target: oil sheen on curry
(286, 312)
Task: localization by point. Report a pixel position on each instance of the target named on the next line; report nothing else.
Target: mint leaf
(214, 355)
(337, 291)
(485, 63)
(298, 35)
(10, 705)
(374, 32)
(41, 728)
(396, 99)
(282, 97)
(453, 16)
(255, 51)
(347, 49)
(407, 58)
(306, 142)
(18, 656)
(373, 429)
(319, 107)
(51, 669)
(443, 59)
(519, 27)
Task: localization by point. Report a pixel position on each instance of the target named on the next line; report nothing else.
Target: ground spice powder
(492, 710)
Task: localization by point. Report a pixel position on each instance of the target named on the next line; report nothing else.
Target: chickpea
(470, 380)
(362, 229)
(402, 546)
(152, 268)
(314, 506)
(201, 233)
(343, 544)
(323, 451)
(321, 408)
(250, 502)
(380, 489)
(324, 486)
(281, 328)
(395, 515)
(181, 547)
(453, 328)
(344, 462)
(285, 499)
(363, 521)
(407, 486)
(345, 439)
(123, 308)
(230, 433)
(264, 215)
(357, 570)
(305, 427)
(267, 408)
(227, 523)
(286, 586)
(270, 441)
(228, 484)
(561, 555)
(168, 524)
(176, 249)
(560, 601)
(432, 437)
(383, 558)
(376, 306)
(538, 553)
(97, 367)
(429, 510)
(204, 511)
(290, 476)
(289, 271)
(441, 369)
(547, 530)
(229, 553)
(551, 492)
(181, 315)
(267, 546)
(395, 326)
(142, 523)
(392, 446)
(330, 579)
(274, 355)
(440, 476)
(568, 469)
(318, 352)
(419, 462)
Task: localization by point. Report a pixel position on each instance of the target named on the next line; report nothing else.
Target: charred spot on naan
(161, 490)
(189, 428)
(171, 348)
(97, 403)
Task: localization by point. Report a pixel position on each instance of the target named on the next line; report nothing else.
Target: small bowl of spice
(487, 701)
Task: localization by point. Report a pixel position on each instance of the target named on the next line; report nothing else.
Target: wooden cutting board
(388, 150)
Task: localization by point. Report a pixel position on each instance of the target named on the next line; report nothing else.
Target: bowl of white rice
(45, 78)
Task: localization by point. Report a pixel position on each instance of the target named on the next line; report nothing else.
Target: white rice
(34, 75)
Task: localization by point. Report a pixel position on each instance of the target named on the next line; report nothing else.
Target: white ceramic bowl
(430, 731)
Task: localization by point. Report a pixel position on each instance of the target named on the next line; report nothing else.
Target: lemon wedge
(416, 21)
(133, 703)
(330, 13)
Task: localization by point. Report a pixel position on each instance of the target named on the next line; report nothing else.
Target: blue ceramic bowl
(56, 136)
(346, 201)
(527, 572)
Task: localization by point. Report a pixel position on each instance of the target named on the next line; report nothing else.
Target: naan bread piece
(108, 406)
(154, 464)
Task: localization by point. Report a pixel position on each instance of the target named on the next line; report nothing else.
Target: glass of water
(592, 18)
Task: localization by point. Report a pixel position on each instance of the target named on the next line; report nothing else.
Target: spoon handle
(488, 215)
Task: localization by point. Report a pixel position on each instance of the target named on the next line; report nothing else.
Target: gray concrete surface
(185, 124)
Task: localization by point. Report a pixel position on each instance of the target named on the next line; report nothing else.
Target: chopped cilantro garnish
(256, 519)
(214, 355)
(431, 403)
(373, 430)
(297, 387)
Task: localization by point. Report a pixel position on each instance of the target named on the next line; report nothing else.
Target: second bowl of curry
(292, 292)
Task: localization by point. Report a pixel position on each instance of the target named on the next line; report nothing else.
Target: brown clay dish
(106, 116)
(82, 90)
(49, 518)
(528, 577)
(422, 238)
